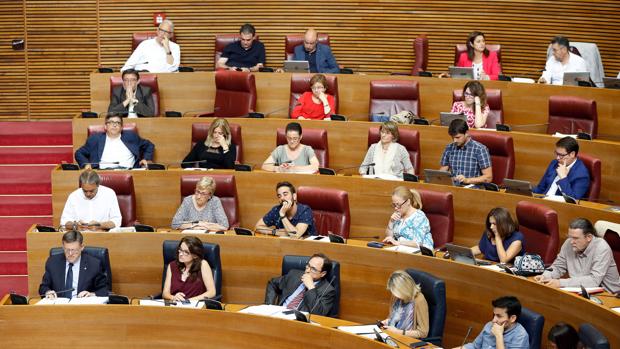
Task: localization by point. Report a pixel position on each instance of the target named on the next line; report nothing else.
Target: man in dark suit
(73, 270)
(131, 97)
(566, 174)
(319, 56)
(115, 148)
(304, 290)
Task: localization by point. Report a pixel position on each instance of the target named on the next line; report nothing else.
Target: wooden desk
(158, 197)
(524, 104)
(348, 145)
(249, 262)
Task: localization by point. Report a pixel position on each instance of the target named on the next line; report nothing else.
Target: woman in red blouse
(474, 105)
(315, 105)
(189, 276)
(485, 63)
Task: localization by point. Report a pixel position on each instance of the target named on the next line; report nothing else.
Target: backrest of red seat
(502, 151)
(221, 41)
(570, 115)
(122, 184)
(594, 168)
(138, 37)
(496, 106)
(293, 40)
(389, 97)
(314, 137)
(201, 129)
(225, 190)
(420, 49)
(539, 225)
(235, 93)
(300, 83)
(330, 208)
(410, 139)
(613, 239)
(148, 80)
(460, 48)
(439, 209)
(127, 126)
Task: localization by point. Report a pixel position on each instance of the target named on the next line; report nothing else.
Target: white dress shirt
(151, 56)
(102, 208)
(116, 151)
(554, 70)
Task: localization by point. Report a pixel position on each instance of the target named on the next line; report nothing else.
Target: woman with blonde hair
(408, 224)
(409, 310)
(202, 210)
(216, 151)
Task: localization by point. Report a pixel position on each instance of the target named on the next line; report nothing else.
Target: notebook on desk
(611, 83)
(514, 186)
(438, 177)
(296, 66)
(573, 78)
(461, 73)
(464, 255)
(446, 118)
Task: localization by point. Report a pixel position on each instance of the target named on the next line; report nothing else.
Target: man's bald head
(310, 40)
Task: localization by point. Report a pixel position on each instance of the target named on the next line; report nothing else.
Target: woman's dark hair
(470, 45)
(564, 336)
(320, 78)
(293, 126)
(196, 250)
(476, 89)
(504, 222)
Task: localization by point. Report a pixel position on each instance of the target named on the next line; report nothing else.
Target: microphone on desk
(466, 335)
(299, 316)
(368, 166)
(257, 115)
(58, 292)
(213, 304)
(508, 128)
(199, 110)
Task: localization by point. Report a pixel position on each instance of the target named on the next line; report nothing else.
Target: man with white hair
(156, 55)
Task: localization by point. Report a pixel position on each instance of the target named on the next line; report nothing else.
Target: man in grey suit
(304, 290)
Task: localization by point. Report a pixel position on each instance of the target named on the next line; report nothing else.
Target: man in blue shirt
(288, 217)
(503, 332)
(319, 56)
(468, 161)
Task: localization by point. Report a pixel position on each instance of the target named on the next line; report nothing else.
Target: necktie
(69, 281)
(294, 304)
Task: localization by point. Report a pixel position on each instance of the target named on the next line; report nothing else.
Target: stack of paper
(270, 310)
(590, 290)
(367, 331)
(404, 249)
(318, 238)
(74, 301)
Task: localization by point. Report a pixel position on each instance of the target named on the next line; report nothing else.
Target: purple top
(191, 288)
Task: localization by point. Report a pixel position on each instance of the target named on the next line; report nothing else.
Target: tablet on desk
(446, 118)
(461, 72)
(438, 177)
(573, 78)
(514, 186)
(296, 66)
(611, 83)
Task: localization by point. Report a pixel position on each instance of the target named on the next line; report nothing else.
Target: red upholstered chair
(148, 80)
(300, 83)
(225, 189)
(594, 168)
(122, 184)
(389, 97)
(410, 139)
(502, 153)
(138, 37)
(293, 40)
(496, 107)
(539, 225)
(221, 41)
(314, 137)
(613, 239)
(330, 208)
(570, 115)
(420, 48)
(439, 210)
(127, 126)
(460, 48)
(200, 130)
(235, 94)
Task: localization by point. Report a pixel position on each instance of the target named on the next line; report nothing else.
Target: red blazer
(490, 65)
(308, 109)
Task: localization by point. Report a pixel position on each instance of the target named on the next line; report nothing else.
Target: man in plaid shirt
(468, 161)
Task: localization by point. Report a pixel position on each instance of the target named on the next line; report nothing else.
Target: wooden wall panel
(13, 89)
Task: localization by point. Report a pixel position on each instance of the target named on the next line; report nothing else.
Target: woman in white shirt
(388, 156)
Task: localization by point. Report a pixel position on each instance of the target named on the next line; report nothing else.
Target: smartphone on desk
(375, 244)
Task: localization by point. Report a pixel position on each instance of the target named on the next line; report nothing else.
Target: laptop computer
(611, 83)
(514, 186)
(446, 118)
(573, 78)
(296, 66)
(461, 73)
(438, 177)
(464, 255)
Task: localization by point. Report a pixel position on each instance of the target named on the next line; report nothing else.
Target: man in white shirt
(92, 207)
(561, 61)
(157, 55)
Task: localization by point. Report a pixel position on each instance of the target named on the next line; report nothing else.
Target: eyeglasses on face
(312, 269)
(398, 206)
(184, 252)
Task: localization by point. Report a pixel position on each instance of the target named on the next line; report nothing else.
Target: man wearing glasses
(304, 290)
(115, 148)
(567, 174)
(92, 206)
(320, 57)
(78, 275)
(157, 55)
(132, 98)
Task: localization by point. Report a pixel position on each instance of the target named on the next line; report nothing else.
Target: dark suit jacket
(92, 150)
(575, 185)
(280, 288)
(92, 277)
(145, 106)
(325, 61)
